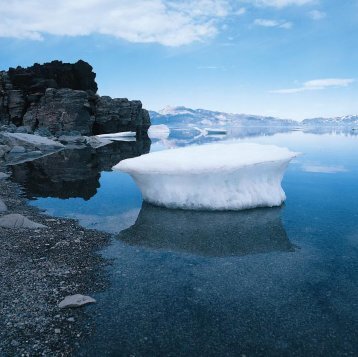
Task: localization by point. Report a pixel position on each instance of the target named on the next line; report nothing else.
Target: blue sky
(287, 58)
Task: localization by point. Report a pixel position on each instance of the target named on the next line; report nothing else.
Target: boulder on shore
(18, 221)
(76, 300)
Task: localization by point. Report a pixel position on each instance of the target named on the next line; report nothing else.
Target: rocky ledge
(60, 98)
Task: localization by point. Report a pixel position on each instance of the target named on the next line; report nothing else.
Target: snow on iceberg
(160, 131)
(224, 176)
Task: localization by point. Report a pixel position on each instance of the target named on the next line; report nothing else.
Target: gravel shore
(38, 268)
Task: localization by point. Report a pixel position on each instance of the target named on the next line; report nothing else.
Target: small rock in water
(3, 207)
(18, 221)
(76, 300)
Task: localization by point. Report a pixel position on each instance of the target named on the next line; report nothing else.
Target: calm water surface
(280, 281)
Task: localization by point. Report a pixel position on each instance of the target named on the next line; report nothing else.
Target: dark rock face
(56, 74)
(62, 110)
(120, 114)
(74, 173)
(61, 98)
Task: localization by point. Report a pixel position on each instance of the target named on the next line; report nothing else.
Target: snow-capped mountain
(346, 121)
(183, 116)
(178, 116)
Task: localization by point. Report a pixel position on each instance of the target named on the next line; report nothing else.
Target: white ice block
(223, 176)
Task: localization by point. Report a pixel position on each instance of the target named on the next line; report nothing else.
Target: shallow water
(280, 281)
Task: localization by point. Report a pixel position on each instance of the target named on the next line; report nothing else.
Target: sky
(286, 58)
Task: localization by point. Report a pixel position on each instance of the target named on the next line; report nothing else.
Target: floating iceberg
(226, 176)
(160, 131)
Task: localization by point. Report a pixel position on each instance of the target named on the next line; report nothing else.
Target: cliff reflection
(216, 234)
(75, 172)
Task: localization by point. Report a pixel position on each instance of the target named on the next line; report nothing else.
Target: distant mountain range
(346, 121)
(182, 116)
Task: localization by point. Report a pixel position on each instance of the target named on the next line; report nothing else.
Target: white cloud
(169, 23)
(286, 25)
(208, 67)
(317, 15)
(317, 84)
(273, 23)
(265, 23)
(240, 11)
(323, 169)
(282, 3)
(220, 8)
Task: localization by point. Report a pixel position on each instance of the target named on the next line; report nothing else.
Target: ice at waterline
(224, 176)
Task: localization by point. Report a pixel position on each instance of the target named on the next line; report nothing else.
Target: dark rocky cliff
(60, 98)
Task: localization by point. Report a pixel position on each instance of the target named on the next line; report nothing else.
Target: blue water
(265, 282)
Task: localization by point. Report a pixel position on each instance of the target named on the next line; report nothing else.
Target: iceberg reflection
(207, 233)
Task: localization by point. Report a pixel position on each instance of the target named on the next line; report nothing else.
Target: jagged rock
(16, 106)
(55, 74)
(119, 114)
(62, 111)
(3, 207)
(18, 221)
(76, 300)
(60, 97)
(4, 87)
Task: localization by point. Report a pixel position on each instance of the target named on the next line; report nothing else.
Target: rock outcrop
(60, 98)
(62, 111)
(120, 114)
